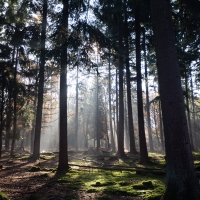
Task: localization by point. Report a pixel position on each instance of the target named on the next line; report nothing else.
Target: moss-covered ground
(91, 175)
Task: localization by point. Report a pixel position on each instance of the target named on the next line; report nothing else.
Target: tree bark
(161, 127)
(182, 182)
(143, 147)
(188, 113)
(121, 93)
(2, 108)
(15, 106)
(76, 117)
(110, 111)
(129, 103)
(97, 111)
(38, 122)
(147, 96)
(63, 146)
(193, 112)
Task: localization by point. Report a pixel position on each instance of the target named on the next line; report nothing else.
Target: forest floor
(91, 176)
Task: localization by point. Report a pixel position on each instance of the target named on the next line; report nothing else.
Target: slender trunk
(2, 108)
(76, 117)
(126, 136)
(161, 127)
(130, 112)
(115, 126)
(86, 133)
(155, 123)
(121, 93)
(147, 96)
(15, 106)
(38, 123)
(63, 146)
(193, 113)
(188, 113)
(117, 105)
(181, 178)
(142, 138)
(106, 122)
(97, 111)
(8, 122)
(110, 111)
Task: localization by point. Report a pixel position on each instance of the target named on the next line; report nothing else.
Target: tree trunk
(15, 107)
(121, 93)
(97, 111)
(8, 122)
(193, 112)
(110, 111)
(106, 122)
(182, 182)
(63, 146)
(161, 127)
(117, 105)
(188, 114)
(38, 123)
(2, 108)
(147, 96)
(130, 113)
(143, 147)
(155, 123)
(76, 117)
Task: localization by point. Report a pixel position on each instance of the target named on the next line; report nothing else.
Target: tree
(143, 146)
(63, 146)
(130, 113)
(178, 150)
(147, 95)
(121, 92)
(36, 148)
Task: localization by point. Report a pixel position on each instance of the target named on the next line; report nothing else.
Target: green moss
(3, 196)
(102, 184)
(124, 183)
(146, 185)
(34, 169)
(48, 169)
(10, 161)
(25, 157)
(47, 157)
(92, 190)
